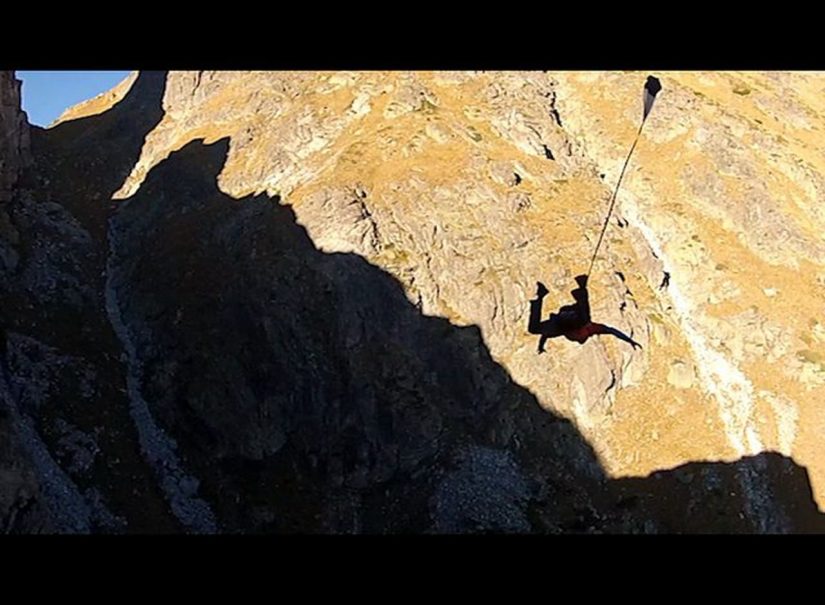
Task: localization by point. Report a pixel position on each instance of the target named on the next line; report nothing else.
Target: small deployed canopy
(652, 88)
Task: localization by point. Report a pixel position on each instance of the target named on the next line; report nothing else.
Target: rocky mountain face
(14, 157)
(14, 144)
(297, 302)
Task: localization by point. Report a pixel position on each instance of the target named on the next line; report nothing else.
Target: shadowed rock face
(201, 365)
(14, 142)
(65, 381)
(304, 380)
(14, 157)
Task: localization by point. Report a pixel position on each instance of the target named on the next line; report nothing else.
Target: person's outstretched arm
(603, 329)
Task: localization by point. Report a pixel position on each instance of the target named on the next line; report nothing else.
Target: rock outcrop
(14, 157)
(14, 135)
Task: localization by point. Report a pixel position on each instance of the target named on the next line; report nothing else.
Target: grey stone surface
(487, 492)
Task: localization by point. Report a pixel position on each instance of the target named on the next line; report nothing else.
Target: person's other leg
(582, 297)
(542, 340)
(534, 324)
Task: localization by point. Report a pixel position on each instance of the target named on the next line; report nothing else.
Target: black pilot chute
(652, 88)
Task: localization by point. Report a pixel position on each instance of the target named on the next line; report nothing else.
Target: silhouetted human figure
(572, 321)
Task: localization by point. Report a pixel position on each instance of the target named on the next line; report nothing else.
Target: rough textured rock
(14, 157)
(726, 188)
(22, 505)
(61, 354)
(14, 135)
(298, 302)
(681, 375)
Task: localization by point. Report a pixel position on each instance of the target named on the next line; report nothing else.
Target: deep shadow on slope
(87, 160)
(56, 296)
(307, 394)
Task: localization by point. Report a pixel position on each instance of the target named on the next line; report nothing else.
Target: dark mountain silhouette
(61, 213)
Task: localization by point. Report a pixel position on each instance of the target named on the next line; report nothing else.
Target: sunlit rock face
(298, 302)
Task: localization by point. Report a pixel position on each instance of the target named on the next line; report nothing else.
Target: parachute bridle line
(613, 199)
(651, 89)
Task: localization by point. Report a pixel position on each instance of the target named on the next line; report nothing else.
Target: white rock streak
(158, 448)
(730, 388)
(728, 385)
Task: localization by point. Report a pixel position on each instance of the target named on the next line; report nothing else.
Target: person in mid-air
(572, 321)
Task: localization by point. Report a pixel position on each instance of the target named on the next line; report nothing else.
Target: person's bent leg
(534, 325)
(542, 340)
